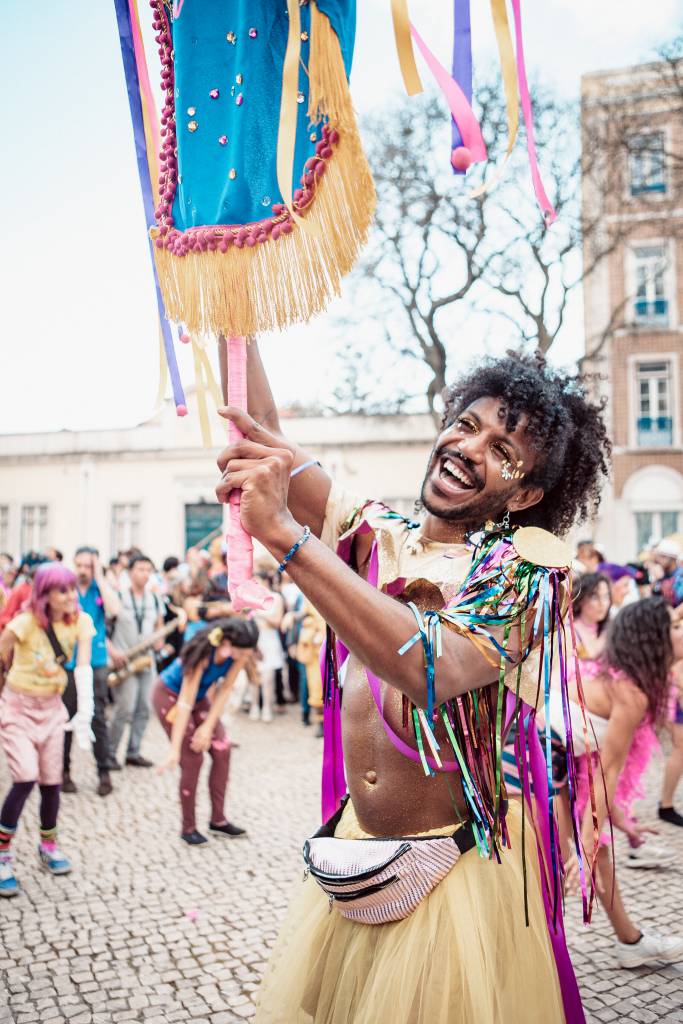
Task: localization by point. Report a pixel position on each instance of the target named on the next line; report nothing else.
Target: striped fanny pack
(375, 881)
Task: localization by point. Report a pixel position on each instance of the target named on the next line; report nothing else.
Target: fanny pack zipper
(336, 879)
(356, 894)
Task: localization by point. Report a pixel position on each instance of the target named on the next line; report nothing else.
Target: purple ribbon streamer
(571, 997)
(333, 778)
(130, 70)
(462, 62)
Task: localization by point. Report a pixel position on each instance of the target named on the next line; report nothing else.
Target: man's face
(84, 569)
(466, 476)
(139, 574)
(621, 588)
(667, 563)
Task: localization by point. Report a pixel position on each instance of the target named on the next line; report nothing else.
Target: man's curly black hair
(566, 430)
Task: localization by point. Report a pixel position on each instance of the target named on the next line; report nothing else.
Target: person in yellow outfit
(311, 639)
(39, 642)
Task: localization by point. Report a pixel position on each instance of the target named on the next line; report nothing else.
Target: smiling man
(521, 445)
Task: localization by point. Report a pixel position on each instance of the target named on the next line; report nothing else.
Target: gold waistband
(44, 690)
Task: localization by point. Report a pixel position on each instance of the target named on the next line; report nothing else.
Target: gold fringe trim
(329, 94)
(294, 277)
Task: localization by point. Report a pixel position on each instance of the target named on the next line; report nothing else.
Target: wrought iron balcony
(655, 431)
(656, 312)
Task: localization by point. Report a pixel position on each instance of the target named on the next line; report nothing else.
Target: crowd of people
(91, 651)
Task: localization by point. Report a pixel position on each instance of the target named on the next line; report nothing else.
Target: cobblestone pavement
(149, 930)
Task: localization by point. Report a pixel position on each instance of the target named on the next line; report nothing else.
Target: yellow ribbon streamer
(200, 388)
(150, 121)
(286, 138)
(205, 380)
(404, 47)
(163, 374)
(508, 67)
(210, 378)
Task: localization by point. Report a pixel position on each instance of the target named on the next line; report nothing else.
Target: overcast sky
(79, 337)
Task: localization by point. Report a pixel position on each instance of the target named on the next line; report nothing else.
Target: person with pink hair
(37, 644)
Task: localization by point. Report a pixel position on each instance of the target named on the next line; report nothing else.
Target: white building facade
(152, 486)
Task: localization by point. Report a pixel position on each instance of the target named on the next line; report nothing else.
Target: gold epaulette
(539, 547)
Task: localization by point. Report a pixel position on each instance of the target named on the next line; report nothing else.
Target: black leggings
(17, 797)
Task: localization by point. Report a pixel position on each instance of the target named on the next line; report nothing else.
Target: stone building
(633, 299)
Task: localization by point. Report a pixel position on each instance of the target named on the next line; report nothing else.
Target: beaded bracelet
(294, 548)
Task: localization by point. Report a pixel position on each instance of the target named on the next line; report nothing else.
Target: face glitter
(508, 472)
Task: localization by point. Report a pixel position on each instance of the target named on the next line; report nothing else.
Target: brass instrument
(136, 658)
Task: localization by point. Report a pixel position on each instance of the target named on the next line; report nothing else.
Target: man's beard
(473, 513)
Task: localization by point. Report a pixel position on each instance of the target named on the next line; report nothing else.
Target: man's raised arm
(309, 489)
(372, 625)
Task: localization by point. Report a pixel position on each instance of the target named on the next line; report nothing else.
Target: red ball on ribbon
(461, 158)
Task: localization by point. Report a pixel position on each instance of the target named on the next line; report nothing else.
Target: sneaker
(650, 948)
(228, 830)
(138, 761)
(648, 855)
(54, 860)
(105, 787)
(193, 838)
(8, 882)
(670, 816)
(266, 715)
(254, 713)
(68, 784)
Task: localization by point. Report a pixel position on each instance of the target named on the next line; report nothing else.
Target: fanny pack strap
(57, 649)
(463, 837)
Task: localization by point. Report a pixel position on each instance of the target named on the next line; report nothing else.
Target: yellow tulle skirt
(465, 956)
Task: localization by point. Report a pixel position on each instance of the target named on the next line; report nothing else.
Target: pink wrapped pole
(245, 591)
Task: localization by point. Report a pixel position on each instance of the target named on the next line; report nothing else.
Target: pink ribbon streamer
(245, 592)
(462, 112)
(143, 78)
(547, 209)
